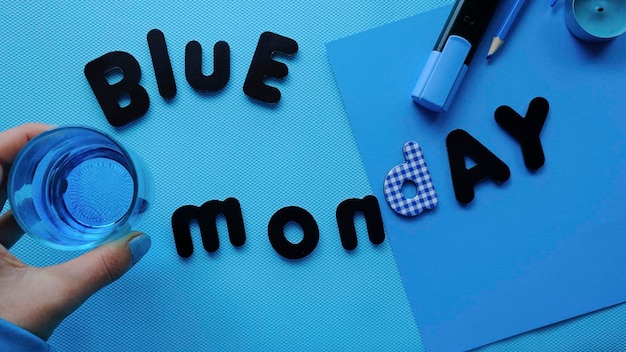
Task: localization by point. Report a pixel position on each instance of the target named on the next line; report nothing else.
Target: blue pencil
(499, 39)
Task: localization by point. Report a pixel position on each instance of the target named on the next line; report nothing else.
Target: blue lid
(442, 75)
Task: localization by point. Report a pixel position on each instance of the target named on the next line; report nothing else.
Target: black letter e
(262, 66)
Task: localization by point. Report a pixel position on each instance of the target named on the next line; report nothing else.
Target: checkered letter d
(414, 171)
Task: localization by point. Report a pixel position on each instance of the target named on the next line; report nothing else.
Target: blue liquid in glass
(91, 182)
(74, 188)
(84, 195)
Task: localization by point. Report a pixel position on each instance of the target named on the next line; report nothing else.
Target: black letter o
(276, 232)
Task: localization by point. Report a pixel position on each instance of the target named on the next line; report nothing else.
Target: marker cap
(442, 75)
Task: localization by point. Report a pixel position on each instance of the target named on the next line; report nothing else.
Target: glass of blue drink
(75, 188)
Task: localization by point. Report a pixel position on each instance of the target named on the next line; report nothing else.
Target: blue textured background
(213, 146)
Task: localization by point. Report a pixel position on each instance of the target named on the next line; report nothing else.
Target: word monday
(459, 144)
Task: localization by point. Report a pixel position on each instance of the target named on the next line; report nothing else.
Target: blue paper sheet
(544, 246)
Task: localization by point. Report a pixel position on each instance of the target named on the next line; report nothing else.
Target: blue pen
(499, 39)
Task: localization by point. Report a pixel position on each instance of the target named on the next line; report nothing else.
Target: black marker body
(468, 19)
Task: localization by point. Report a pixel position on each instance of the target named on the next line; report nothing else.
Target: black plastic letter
(206, 216)
(221, 67)
(161, 63)
(370, 209)
(460, 144)
(276, 232)
(263, 65)
(526, 130)
(109, 95)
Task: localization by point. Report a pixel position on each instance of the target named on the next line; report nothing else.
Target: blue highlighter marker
(448, 62)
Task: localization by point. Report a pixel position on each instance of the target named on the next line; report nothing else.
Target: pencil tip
(495, 45)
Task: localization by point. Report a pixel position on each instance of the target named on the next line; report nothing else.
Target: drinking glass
(75, 188)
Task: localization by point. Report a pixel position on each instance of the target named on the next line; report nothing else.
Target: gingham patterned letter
(414, 170)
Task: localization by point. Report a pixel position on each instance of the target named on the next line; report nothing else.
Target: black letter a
(460, 144)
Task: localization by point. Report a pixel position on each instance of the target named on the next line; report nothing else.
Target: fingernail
(139, 246)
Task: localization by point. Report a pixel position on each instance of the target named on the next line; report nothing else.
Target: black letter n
(346, 211)
(206, 216)
(109, 95)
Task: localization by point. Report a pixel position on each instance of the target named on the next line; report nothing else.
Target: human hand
(38, 299)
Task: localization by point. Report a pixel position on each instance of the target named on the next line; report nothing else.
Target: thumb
(59, 290)
(83, 276)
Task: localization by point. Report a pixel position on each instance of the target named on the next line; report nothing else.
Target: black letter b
(109, 95)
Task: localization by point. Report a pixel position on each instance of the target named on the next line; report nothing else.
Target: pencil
(499, 39)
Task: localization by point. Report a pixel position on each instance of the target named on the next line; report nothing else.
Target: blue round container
(75, 188)
(596, 20)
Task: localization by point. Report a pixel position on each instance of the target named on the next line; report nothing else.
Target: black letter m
(206, 216)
